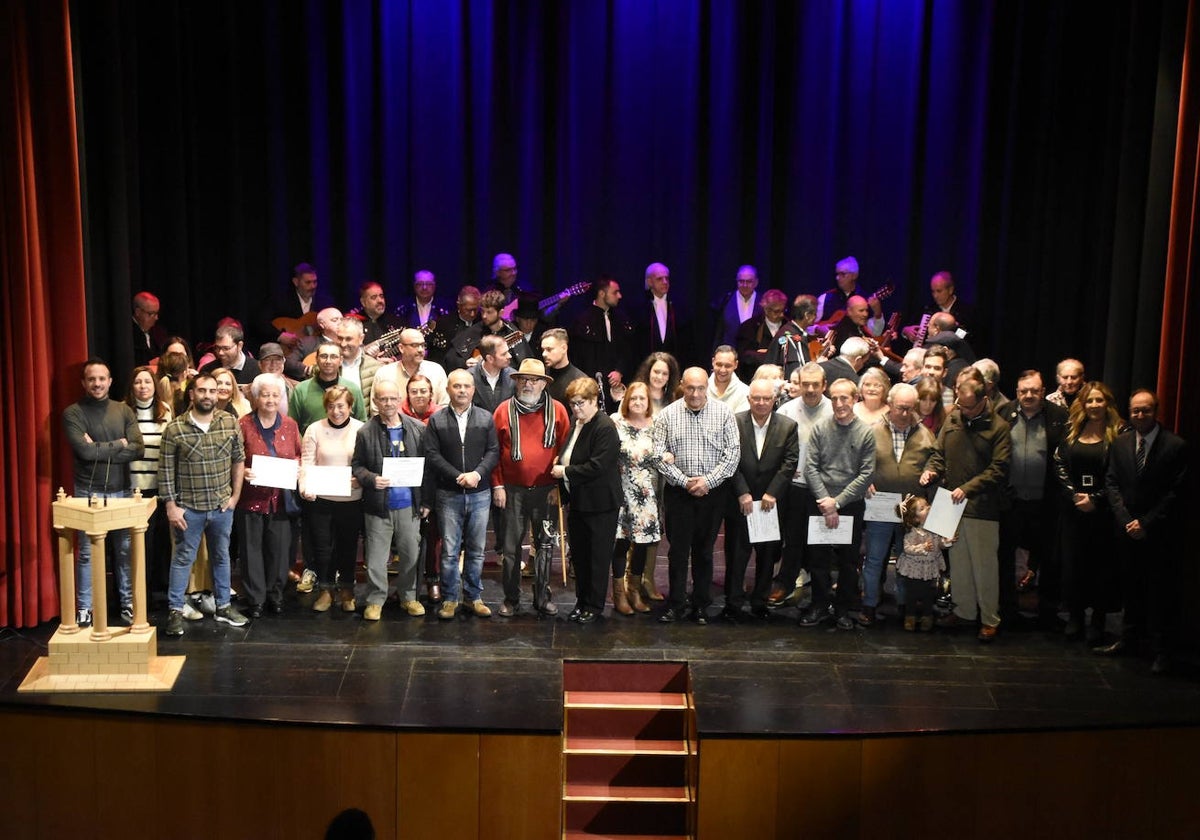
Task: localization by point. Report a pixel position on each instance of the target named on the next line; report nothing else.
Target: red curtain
(1179, 396)
(42, 316)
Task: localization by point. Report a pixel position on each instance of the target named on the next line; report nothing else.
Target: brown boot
(620, 600)
(649, 589)
(634, 593)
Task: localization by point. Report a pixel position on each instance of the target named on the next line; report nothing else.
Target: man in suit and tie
(770, 451)
(657, 325)
(1147, 468)
(738, 308)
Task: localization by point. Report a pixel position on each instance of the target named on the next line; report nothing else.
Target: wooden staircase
(629, 757)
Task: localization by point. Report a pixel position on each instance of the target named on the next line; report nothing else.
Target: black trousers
(335, 527)
(795, 536)
(692, 526)
(823, 559)
(592, 536)
(1030, 525)
(737, 559)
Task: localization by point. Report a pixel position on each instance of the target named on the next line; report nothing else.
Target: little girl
(919, 564)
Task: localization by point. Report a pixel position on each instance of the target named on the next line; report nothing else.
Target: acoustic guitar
(548, 303)
(304, 325)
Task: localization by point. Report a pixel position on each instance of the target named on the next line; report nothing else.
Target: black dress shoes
(255, 611)
(669, 616)
(275, 607)
(699, 617)
(813, 618)
(586, 617)
(574, 614)
(732, 615)
(761, 613)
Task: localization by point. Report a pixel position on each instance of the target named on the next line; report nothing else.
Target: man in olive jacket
(972, 459)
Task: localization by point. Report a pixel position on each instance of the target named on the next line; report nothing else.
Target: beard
(529, 399)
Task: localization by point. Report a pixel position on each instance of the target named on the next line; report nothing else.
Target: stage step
(628, 750)
(584, 835)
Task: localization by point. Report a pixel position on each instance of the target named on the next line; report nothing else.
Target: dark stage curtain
(1025, 146)
(41, 320)
(1180, 398)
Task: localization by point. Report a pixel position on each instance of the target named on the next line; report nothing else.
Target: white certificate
(274, 472)
(763, 525)
(882, 508)
(327, 481)
(944, 514)
(820, 534)
(404, 472)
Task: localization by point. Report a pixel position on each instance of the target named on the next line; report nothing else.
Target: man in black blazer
(853, 356)
(657, 326)
(770, 452)
(461, 450)
(1147, 468)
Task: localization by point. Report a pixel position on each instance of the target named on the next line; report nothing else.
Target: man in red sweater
(531, 428)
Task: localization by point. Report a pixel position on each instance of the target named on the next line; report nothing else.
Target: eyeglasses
(579, 403)
(224, 348)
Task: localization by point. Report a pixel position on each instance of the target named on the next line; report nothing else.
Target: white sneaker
(191, 613)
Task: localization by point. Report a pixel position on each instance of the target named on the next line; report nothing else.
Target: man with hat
(272, 359)
(530, 429)
(529, 320)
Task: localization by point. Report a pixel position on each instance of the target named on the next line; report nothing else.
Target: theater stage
(766, 695)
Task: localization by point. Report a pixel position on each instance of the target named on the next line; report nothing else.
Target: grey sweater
(102, 466)
(840, 461)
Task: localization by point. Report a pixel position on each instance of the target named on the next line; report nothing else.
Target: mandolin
(882, 293)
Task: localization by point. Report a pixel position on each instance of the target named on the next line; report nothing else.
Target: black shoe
(1117, 648)
(732, 614)
(813, 618)
(699, 617)
(1162, 665)
(174, 623)
(586, 617)
(256, 611)
(761, 613)
(670, 616)
(275, 607)
(845, 622)
(574, 614)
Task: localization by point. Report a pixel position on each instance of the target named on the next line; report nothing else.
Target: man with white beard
(531, 427)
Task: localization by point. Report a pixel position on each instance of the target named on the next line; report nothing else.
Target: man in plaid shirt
(200, 477)
(702, 437)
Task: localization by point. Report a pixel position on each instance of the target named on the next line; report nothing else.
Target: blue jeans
(464, 519)
(118, 558)
(216, 525)
(879, 539)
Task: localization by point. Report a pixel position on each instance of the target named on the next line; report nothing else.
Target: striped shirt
(196, 466)
(143, 473)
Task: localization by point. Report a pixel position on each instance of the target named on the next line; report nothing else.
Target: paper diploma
(763, 525)
(882, 508)
(274, 472)
(819, 534)
(327, 481)
(944, 514)
(404, 472)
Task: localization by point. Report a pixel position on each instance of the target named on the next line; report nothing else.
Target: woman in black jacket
(591, 482)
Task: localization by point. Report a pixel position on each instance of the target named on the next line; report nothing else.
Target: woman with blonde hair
(1090, 568)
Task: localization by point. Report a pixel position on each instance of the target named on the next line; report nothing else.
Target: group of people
(515, 418)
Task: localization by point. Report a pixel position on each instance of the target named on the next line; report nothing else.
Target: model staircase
(628, 751)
